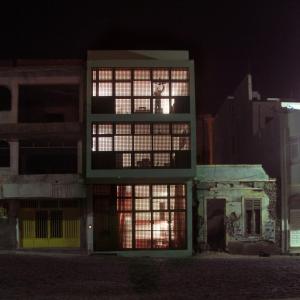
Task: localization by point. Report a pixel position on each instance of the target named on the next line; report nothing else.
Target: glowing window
(104, 143)
(162, 159)
(179, 74)
(180, 128)
(180, 89)
(105, 129)
(105, 74)
(123, 143)
(123, 74)
(142, 88)
(141, 105)
(142, 204)
(161, 129)
(181, 143)
(105, 89)
(123, 129)
(123, 88)
(142, 143)
(162, 142)
(142, 129)
(142, 74)
(160, 74)
(123, 106)
(160, 190)
(142, 190)
(142, 160)
(160, 89)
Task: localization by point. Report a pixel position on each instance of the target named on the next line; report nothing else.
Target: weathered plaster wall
(235, 193)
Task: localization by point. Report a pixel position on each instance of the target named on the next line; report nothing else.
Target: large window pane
(123, 143)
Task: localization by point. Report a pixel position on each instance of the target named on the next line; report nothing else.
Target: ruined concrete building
(42, 190)
(236, 209)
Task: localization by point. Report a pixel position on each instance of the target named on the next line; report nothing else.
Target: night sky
(226, 40)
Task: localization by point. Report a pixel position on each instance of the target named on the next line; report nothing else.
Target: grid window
(123, 88)
(142, 143)
(142, 105)
(123, 74)
(140, 219)
(123, 129)
(160, 190)
(142, 160)
(161, 85)
(162, 160)
(94, 75)
(105, 89)
(161, 142)
(180, 89)
(94, 129)
(142, 74)
(142, 204)
(181, 143)
(124, 197)
(94, 146)
(179, 74)
(161, 106)
(181, 128)
(160, 89)
(177, 203)
(177, 190)
(104, 143)
(160, 74)
(105, 74)
(142, 129)
(94, 89)
(142, 190)
(161, 129)
(123, 160)
(123, 106)
(150, 145)
(123, 143)
(105, 129)
(142, 88)
(160, 204)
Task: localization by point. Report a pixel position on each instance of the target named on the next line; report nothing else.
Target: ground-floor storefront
(140, 217)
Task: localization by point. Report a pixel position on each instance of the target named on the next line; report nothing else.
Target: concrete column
(14, 157)
(14, 100)
(79, 157)
(90, 220)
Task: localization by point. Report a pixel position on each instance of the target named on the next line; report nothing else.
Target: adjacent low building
(236, 206)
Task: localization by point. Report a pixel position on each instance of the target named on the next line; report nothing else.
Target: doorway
(215, 213)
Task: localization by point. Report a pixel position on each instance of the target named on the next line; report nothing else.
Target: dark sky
(226, 39)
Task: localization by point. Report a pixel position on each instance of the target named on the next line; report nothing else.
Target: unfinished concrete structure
(41, 186)
(236, 207)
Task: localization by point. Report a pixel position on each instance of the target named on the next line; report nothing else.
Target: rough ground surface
(69, 276)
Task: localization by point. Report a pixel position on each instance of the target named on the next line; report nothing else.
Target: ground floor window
(140, 216)
(253, 216)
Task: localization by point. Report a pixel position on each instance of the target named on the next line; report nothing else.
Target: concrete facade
(17, 182)
(134, 176)
(250, 130)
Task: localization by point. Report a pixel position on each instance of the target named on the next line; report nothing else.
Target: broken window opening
(5, 98)
(4, 154)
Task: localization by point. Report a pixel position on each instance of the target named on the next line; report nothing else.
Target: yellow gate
(50, 228)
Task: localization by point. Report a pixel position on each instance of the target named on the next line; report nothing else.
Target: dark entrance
(215, 224)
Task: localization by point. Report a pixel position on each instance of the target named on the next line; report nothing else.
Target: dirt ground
(206, 276)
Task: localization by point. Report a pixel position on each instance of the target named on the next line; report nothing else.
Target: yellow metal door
(52, 228)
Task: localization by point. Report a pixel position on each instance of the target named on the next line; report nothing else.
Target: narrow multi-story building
(41, 187)
(140, 152)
